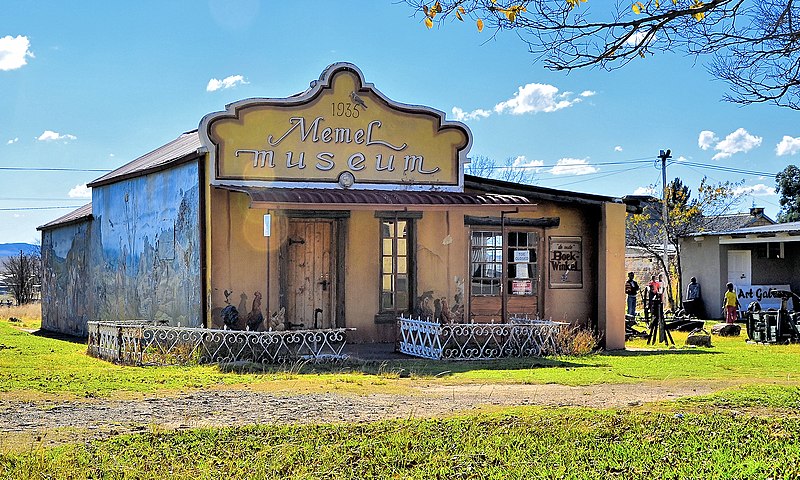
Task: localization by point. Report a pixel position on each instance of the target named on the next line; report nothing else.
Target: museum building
(336, 207)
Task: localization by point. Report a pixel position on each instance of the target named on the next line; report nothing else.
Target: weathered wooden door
(310, 283)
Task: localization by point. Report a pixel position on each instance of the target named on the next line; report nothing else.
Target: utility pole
(664, 156)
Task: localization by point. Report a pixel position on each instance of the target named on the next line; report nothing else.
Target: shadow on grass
(649, 353)
(59, 336)
(401, 368)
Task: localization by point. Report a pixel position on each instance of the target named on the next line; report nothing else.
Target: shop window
(396, 265)
(490, 256)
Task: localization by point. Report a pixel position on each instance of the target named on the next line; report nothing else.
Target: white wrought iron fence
(140, 343)
(521, 337)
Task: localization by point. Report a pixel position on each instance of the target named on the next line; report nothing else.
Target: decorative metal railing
(140, 343)
(522, 337)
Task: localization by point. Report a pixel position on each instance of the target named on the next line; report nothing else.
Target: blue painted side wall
(137, 259)
(66, 306)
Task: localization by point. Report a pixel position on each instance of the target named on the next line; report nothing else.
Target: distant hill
(11, 249)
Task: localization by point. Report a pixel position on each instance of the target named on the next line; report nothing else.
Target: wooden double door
(310, 273)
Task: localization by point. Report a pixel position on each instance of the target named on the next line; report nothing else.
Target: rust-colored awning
(338, 199)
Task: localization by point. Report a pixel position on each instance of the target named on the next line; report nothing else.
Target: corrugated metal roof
(178, 149)
(790, 227)
(81, 214)
(372, 197)
(733, 221)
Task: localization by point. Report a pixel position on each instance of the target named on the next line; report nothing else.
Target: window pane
(387, 246)
(401, 246)
(402, 301)
(401, 264)
(386, 301)
(387, 283)
(402, 283)
(387, 265)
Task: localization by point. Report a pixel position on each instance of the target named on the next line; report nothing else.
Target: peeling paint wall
(138, 259)
(65, 278)
(146, 248)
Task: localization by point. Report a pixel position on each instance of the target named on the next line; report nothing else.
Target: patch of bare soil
(40, 421)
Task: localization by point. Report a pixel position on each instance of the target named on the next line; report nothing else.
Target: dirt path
(98, 418)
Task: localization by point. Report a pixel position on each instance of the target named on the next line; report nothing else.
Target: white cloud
(80, 191)
(636, 38)
(706, 139)
(523, 162)
(618, 148)
(588, 93)
(788, 146)
(758, 190)
(14, 52)
(460, 115)
(573, 166)
(13, 140)
(51, 136)
(536, 97)
(227, 82)
(681, 158)
(736, 142)
(645, 191)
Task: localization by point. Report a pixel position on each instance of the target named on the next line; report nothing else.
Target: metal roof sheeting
(183, 147)
(81, 214)
(790, 227)
(323, 196)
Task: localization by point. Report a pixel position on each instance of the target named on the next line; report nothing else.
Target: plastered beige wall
(238, 255)
(238, 262)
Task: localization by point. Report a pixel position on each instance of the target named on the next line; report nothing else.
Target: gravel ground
(100, 418)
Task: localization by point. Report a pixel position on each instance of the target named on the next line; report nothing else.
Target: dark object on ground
(775, 326)
(694, 308)
(726, 330)
(630, 328)
(14, 319)
(699, 338)
(685, 324)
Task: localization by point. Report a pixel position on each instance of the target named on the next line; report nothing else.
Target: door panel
(739, 267)
(309, 281)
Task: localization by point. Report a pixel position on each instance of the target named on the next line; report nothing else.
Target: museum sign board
(341, 131)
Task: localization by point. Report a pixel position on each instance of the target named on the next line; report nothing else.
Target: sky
(86, 87)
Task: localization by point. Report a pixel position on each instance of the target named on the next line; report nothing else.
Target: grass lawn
(746, 431)
(33, 365)
(517, 443)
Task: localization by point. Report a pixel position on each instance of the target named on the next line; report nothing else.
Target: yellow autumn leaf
(479, 23)
(658, 4)
(697, 5)
(458, 16)
(425, 10)
(637, 7)
(428, 22)
(641, 53)
(461, 9)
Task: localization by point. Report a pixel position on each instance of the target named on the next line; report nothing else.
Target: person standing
(631, 290)
(731, 302)
(693, 305)
(657, 298)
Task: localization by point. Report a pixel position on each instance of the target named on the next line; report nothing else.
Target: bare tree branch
(753, 45)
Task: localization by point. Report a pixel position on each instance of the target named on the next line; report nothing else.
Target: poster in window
(565, 262)
(521, 287)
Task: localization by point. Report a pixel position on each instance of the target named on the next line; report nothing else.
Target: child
(731, 303)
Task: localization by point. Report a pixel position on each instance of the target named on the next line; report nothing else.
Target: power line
(53, 169)
(37, 208)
